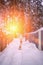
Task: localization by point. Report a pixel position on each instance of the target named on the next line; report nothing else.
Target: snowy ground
(28, 55)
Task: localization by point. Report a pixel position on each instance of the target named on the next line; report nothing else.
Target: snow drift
(28, 55)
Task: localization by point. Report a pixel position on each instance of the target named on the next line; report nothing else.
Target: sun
(13, 28)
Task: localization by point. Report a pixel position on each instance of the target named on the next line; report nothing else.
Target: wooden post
(39, 46)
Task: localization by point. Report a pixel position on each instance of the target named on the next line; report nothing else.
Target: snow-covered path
(29, 55)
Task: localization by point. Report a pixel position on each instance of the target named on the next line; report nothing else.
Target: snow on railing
(39, 36)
